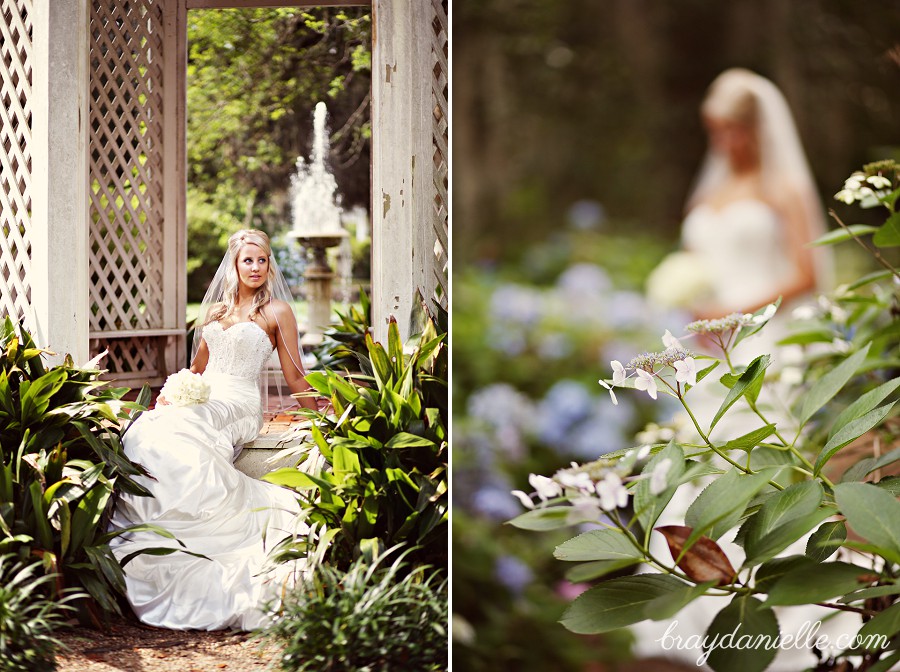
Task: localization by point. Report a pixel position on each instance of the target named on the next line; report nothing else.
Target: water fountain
(316, 225)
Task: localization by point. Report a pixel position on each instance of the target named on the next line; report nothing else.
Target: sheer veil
(215, 297)
(782, 160)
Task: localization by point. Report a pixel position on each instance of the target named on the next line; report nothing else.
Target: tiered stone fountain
(316, 225)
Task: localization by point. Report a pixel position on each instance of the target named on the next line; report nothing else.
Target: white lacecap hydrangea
(185, 388)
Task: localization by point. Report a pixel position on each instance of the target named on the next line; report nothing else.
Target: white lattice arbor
(92, 171)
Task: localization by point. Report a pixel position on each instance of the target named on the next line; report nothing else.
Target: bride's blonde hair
(732, 97)
(263, 294)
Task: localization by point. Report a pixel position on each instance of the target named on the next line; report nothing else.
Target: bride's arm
(287, 342)
(201, 358)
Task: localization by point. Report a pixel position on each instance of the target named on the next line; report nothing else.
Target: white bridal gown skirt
(212, 508)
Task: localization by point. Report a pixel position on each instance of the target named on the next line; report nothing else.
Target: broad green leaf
(296, 479)
(721, 504)
(872, 513)
(868, 279)
(850, 432)
(617, 602)
(668, 605)
(785, 535)
(885, 664)
(407, 440)
(889, 233)
(802, 586)
(797, 501)
(808, 336)
(770, 572)
(750, 440)
(159, 550)
(588, 571)
(824, 542)
(866, 593)
(605, 544)
(754, 374)
(647, 506)
(547, 518)
(346, 461)
(863, 405)
(842, 234)
(828, 385)
(877, 633)
(748, 618)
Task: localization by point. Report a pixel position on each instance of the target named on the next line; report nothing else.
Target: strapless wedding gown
(742, 245)
(210, 506)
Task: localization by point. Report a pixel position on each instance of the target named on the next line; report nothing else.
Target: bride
(226, 521)
(751, 215)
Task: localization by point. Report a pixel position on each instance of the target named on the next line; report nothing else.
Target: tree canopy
(254, 77)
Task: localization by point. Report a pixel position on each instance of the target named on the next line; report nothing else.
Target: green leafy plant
(344, 343)
(28, 616)
(386, 445)
(372, 617)
(777, 481)
(61, 460)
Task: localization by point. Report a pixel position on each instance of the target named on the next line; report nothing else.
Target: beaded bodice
(240, 350)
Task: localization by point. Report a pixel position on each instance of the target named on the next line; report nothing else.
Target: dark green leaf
(617, 602)
(748, 618)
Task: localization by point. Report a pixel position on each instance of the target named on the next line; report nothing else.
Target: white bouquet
(185, 388)
(681, 280)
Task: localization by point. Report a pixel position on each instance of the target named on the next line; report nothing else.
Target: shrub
(386, 445)
(27, 617)
(369, 618)
(61, 460)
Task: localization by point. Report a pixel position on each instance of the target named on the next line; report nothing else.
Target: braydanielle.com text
(807, 637)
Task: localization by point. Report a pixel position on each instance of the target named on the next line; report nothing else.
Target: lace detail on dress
(237, 350)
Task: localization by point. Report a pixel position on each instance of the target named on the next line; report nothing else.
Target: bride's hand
(323, 404)
(162, 401)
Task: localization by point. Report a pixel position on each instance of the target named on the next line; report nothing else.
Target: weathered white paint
(401, 158)
(59, 232)
(175, 181)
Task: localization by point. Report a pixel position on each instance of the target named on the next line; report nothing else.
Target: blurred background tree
(254, 77)
(561, 102)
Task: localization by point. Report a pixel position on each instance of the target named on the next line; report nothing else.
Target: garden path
(129, 646)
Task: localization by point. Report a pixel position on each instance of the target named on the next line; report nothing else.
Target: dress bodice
(240, 350)
(743, 247)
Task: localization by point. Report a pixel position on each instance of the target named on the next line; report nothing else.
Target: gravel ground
(132, 647)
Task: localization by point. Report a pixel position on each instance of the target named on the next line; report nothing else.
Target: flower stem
(725, 456)
(875, 253)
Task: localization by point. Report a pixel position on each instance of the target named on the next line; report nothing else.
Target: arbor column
(59, 223)
(401, 157)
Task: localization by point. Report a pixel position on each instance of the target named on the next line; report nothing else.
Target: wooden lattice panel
(15, 157)
(125, 356)
(126, 134)
(437, 274)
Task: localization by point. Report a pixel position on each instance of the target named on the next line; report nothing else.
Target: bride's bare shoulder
(281, 310)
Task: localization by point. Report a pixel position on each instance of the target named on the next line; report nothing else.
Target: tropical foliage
(386, 445)
(817, 477)
(61, 460)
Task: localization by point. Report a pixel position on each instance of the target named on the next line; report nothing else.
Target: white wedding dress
(211, 507)
(742, 244)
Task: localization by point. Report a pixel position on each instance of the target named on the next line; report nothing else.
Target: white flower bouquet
(681, 280)
(185, 388)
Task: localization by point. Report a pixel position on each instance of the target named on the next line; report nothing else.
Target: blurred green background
(576, 137)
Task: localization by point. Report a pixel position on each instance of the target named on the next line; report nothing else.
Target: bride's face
(252, 266)
(735, 139)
